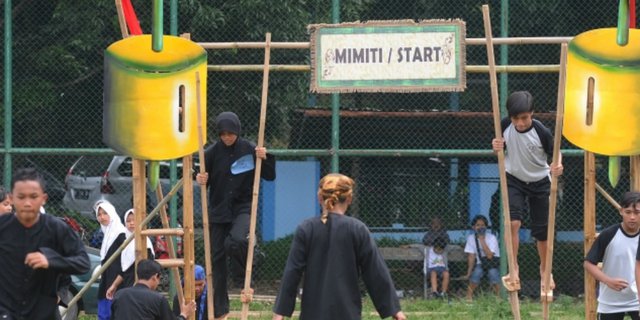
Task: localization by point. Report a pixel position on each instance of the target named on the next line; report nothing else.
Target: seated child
(437, 268)
(483, 255)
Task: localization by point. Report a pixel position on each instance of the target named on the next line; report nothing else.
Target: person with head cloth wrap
(201, 295)
(229, 174)
(330, 254)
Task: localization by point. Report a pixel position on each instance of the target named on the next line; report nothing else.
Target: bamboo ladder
(141, 232)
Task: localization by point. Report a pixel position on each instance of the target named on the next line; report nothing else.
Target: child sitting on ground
(437, 267)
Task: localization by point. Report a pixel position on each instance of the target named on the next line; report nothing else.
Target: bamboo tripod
(514, 286)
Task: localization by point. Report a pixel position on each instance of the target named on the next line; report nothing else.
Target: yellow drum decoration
(150, 104)
(609, 122)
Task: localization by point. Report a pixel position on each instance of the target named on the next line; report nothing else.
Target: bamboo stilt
(546, 296)
(247, 294)
(513, 294)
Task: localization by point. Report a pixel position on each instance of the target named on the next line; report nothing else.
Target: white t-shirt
(436, 259)
(617, 251)
(489, 238)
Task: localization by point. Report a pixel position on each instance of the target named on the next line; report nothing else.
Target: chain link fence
(414, 156)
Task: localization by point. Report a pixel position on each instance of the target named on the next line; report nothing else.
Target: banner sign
(388, 56)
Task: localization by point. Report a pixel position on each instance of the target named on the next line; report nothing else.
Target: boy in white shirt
(437, 268)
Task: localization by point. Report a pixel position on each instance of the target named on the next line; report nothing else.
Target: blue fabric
(476, 275)
(104, 309)
(243, 164)
(199, 272)
(438, 270)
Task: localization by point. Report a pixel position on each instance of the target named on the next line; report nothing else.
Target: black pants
(619, 316)
(227, 240)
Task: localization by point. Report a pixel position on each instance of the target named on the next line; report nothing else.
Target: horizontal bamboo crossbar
(170, 263)
(163, 232)
(305, 45)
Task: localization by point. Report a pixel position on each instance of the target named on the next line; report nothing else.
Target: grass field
(484, 307)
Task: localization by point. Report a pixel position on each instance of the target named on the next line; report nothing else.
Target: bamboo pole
(121, 20)
(247, 294)
(139, 207)
(607, 196)
(515, 286)
(634, 164)
(547, 295)
(118, 251)
(187, 240)
(589, 231)
(204, 206)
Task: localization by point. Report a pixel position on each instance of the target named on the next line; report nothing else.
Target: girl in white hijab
(128, 257)
(114, 235)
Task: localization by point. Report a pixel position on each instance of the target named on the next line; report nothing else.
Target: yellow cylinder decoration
(150, 102)
(608, 122)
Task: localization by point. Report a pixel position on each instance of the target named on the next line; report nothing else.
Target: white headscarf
(129, 253)
(111, 231)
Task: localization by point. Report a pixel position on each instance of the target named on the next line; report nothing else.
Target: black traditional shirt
(28, 293)
(332, 257)
(231, 194)
(140, 302)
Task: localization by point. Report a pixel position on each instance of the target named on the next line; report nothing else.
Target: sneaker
(435, 295)
(444, 296)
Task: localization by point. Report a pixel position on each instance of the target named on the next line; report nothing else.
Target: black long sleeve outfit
(27, 293)
(332, 257)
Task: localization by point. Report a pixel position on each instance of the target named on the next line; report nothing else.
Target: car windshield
(90, 166)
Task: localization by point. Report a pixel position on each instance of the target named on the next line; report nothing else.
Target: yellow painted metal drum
(150, 105)
(612, 125)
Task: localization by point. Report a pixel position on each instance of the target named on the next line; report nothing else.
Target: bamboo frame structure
(247, 294)
(513, 293)
(96, 275)
(546, 296)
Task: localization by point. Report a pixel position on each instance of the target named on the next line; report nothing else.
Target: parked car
(89, 301)
(92, 178)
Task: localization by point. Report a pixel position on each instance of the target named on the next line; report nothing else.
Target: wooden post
(514, 286)
(139, 207)
(204, 206)
(589, 231)
(546, 296)
(187, 226)
(634, 171)
(247, 294)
